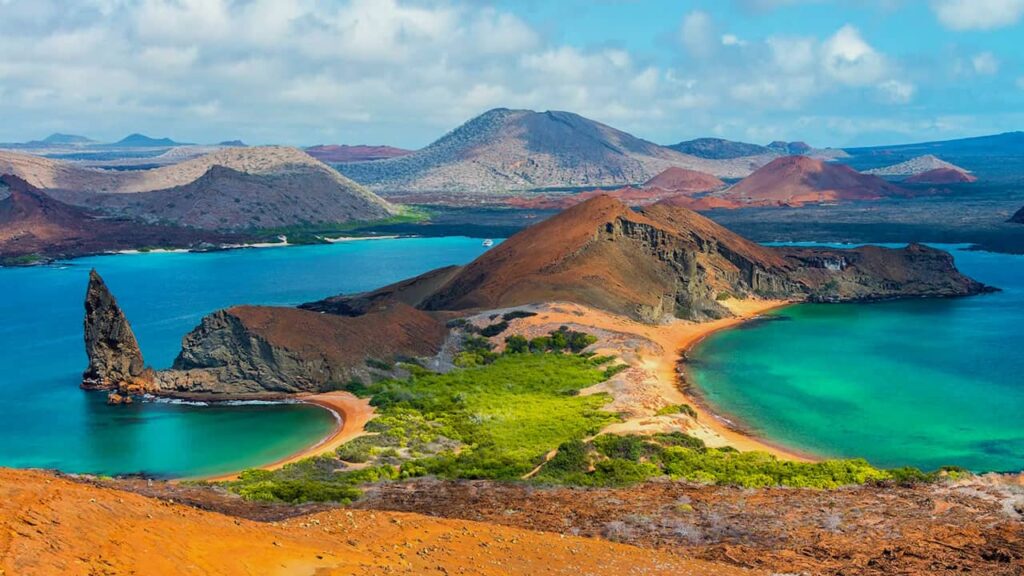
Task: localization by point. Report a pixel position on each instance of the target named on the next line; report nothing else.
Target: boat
(488, 243)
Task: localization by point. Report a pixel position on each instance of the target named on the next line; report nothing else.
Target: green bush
(517, 345)
(678, 409)
(508, 316)
(494, 329)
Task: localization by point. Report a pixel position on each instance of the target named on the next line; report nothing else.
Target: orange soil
(352, 412)
(658, 369)
(51, 526)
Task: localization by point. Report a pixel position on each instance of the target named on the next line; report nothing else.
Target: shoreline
(351, 414)
(655, 378)
(726, 424)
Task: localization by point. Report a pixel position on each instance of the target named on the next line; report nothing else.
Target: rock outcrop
(1017, 218)
(255, 351)
(115, 360)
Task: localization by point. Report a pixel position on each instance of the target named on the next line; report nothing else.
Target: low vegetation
(315, 233)
(611, 460)
(501, 415)
(497, 418)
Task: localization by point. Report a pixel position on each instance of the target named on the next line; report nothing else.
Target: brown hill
(227, 199)
(662, 261)
(942, 176)
(232, 188)
(684, 181)
(359, 153)
(503, 150)
(296, 350)
(33, 223)
(796, 180)
(53, 525)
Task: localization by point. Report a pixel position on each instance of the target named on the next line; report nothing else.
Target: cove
(924, 383)
(46, 421)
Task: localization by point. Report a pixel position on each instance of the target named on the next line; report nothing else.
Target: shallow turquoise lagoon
(920, 382)
(46, 421)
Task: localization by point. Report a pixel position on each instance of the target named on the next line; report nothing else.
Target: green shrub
(494, 329)
(516, 345)
(678, 409)
(613, 370)
(508, 316)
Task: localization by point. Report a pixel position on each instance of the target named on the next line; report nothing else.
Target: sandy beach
(351, 413)
(654, 353)
(653, 381)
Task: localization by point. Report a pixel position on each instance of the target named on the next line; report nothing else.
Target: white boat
(488, 242)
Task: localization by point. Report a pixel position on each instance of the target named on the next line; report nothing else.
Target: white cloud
(978, 14)
(403, 71)
(897, 91)
(697, 34)
(985, 63)
(732, 40)
(849, 59)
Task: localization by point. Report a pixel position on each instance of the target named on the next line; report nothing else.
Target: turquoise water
(46, 421)
(925, 383)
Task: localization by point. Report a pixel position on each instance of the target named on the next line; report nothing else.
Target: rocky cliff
(115, 360)
(265, 350)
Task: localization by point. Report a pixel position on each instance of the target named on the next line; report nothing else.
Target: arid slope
(33, 223)
(231, 188)
(50, 525)
(505, 149)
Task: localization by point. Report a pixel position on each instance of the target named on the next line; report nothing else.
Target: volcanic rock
(796, 180)
(942, 176)
(683, 181)
(115, 360)
(504, 150)
(259, 350)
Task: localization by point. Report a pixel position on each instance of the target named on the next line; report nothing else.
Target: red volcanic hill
(33, 223)
(942, 176)
(603, 254)
(358, 153)
(667, 185)
(657, 262)
(684, 181)
(795, 180)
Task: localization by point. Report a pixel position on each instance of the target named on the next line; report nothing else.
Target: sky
(404, 72)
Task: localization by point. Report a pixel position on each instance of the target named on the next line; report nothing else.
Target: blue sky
(402, 72)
